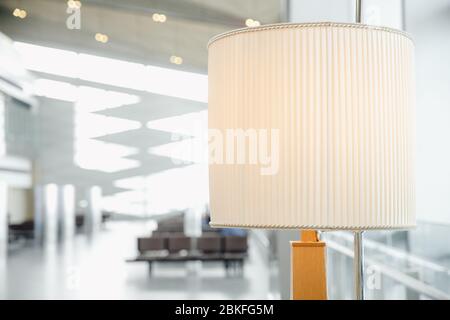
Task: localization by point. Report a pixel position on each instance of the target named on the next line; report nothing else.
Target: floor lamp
(312, 128)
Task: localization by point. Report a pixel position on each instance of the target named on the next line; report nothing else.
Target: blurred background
(103, 138)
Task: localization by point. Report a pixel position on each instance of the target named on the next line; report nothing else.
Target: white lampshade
(341, 97)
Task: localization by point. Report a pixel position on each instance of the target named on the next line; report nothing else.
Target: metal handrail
(406, 280)
(411, 258)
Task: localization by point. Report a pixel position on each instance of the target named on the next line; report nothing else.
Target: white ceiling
(132, 33)
(133, 36)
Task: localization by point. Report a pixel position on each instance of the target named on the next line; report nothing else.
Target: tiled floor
(96, 269)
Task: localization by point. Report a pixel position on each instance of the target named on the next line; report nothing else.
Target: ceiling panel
(133, 36)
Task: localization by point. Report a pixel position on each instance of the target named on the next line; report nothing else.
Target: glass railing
(412, 264)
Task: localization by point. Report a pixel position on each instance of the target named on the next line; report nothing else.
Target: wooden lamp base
(308, 271)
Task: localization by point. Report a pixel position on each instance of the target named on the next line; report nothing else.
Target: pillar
(93, 214)
(3, 216)
(50, 214)
(66, 210)
(3, 238)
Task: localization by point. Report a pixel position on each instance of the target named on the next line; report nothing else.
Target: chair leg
(150, 269)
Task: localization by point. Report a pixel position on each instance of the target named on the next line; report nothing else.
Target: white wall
(379, 12)
(386, 13)
(429, 23)
(321, 10)
(20, 205)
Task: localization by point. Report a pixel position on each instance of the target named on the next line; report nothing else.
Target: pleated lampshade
(341, 99)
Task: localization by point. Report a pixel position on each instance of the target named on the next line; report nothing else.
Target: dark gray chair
(178, 243)
(152, 244)
(235, 244)
(209, 244)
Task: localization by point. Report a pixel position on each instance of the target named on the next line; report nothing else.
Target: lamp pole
(358, 12)
(358, 265)
(358, 258)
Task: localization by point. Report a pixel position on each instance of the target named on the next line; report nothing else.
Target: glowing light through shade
(346, 160)
(119, 73)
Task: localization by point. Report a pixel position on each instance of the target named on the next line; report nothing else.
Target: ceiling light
(97, 69)
(252, 23)
(193, 124)
(159, 17)
(100, 37)
(176, 59)
(87, 98)
(186, 151)
(23, 14)
(103, 161)
(19, 13)
(74, 4)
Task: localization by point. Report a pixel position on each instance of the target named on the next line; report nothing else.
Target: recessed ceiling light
(159, 17)
(100, 37)
(74, 4)
(252, 23)
(19, 13)
(176, 59)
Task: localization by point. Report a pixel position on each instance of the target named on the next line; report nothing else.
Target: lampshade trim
(314, 227)
(306, 25)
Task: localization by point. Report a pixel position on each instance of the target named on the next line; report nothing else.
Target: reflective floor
(95, 268)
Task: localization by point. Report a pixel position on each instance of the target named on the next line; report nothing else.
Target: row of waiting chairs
(207, 243)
